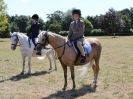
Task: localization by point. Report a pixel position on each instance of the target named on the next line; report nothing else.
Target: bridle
(44, 42)
(47, 41)
(16, 41)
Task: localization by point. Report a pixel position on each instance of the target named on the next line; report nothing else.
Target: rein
(63, 49)
(47, 40)
(60, 47)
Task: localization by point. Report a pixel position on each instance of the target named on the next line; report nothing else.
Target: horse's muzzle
(13, 47)
(38, 53)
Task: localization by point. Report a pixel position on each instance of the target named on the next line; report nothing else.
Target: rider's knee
(79, 44)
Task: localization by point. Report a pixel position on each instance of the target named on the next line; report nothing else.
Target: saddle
(86, 46)
(30, 40)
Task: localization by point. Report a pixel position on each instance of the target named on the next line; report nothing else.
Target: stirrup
(83, 59)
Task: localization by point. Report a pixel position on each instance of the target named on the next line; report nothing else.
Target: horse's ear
(10, 33)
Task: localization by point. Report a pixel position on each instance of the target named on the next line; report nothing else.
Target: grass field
(115, 78)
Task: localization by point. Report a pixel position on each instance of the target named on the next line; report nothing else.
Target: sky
(44, 7)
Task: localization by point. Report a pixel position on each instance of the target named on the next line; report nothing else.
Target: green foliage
(54, 21)
(131, 30)
(3, 23)
(3, 20)
(58, 22)
(64, 33)
(125, 15)
(97, 32)
(19, 23)
(2, 8)
(88, 26)
(112, 22)
(55, 27)
(131, 16)
(14, 27)
(4, 26)
(22, 23)
(66, 21)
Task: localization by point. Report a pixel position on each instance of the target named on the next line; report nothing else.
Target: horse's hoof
(50, 68)
(64, 88)
(29, 73)
(56, 69)
(94, 82)
(73, 89)
(38, 53)
(22, 73)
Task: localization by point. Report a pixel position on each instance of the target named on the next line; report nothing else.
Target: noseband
(46, 40)
(17, 40)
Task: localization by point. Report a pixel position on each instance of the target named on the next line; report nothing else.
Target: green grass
(115, 78)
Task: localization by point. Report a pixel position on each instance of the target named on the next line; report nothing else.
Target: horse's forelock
(42, 34)
(14, 33)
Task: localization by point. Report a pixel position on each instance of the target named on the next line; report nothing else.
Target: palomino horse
(67, 55)
(27, 50)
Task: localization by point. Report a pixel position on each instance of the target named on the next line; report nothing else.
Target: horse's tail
(55, 54)
(85, 69)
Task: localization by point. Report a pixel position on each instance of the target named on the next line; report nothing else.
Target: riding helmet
(76, 11)
(35, 16)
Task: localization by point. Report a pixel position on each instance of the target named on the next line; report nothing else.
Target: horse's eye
(42, 39)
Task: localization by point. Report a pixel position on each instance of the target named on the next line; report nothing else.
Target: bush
(55, 27)
(97, 32)
(88, 26)
(131, 31)
(64, 33)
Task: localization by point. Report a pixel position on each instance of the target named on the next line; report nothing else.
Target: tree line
(111, 23)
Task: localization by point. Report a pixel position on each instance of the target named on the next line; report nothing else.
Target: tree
(67, 20)
(93, 21)
(3, 20)
(57, 15)
(131, 16)
(126, 17)
(54, 22)
(22, 23)
(112, 22)
(55, 27)
(88, 26)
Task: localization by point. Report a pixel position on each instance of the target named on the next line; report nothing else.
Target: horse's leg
(96, 70)
(23, 60)
(48, 56)
(73, 76)
(65, 75)
(55, 63)
(53, 56)
(29, 64)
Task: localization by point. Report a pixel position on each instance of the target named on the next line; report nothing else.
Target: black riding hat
(35, 16)
(76, 11)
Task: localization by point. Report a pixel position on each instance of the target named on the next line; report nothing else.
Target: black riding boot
(33, 40)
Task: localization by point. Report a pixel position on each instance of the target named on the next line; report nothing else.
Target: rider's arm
(70, 32)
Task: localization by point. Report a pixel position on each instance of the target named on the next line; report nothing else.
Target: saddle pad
(87, 47)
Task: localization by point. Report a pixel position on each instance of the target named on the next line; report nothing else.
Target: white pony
(27, 49)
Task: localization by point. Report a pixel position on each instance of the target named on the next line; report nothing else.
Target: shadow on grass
(72, 94)
(2, 40)
(20, 76)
